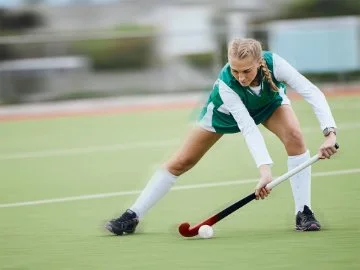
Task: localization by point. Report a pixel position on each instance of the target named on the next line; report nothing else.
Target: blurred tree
(319, 8)
(2, 18)
(122, 53)
(29, 19)
(15, 23)
(18, 21)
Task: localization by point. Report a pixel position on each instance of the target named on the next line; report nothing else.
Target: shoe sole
(312, 228)
(109, 227)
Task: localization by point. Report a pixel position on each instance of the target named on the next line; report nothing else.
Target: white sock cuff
(159, 184)
(167, 175)
(304, 156)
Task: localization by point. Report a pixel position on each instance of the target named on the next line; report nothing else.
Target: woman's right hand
(265, 178)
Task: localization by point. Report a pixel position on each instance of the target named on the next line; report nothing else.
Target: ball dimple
(206, 231)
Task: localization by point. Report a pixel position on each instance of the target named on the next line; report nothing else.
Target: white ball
(206, 231)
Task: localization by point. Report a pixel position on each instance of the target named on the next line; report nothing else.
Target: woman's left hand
(327, 149)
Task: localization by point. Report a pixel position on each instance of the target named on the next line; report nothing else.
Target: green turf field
(71, 157)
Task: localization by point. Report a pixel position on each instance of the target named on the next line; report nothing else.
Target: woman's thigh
(198, 142)
(285, 125)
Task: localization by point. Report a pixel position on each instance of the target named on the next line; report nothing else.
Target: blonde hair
(241, 48)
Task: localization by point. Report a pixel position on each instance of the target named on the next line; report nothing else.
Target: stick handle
(297, 169)
(292, 172)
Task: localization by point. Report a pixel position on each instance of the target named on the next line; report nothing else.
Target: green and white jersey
(233, 108)
(260, 102)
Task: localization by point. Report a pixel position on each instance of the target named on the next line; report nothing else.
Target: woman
(250, 90)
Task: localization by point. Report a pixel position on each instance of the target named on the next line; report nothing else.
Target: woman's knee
(180, 165)
(294, 141)
(197, 144)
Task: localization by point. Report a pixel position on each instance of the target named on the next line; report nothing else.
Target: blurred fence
(318, 45)
(138, 60)
(113, 64)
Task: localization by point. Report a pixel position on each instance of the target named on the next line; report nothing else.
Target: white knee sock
(159, 184)
(300, 182)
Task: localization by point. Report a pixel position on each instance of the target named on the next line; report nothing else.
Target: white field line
(127, 146)
(88, 150)
(183, 187)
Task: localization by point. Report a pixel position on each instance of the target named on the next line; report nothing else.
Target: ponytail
(266, 71)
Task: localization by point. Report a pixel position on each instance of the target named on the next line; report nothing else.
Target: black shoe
(306, 221)
(126, 223)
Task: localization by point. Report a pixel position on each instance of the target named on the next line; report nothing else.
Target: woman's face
(244, 70)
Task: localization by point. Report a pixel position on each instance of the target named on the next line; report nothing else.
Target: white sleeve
(246, 124)
(286, 73)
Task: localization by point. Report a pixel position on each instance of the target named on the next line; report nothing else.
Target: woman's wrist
(265, 169)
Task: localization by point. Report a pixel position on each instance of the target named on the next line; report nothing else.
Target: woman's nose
(241, 77)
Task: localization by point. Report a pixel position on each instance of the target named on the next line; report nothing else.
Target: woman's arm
(286, 73)
(246, 124)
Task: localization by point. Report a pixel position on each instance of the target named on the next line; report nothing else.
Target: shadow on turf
(139, 232)
(220, 234)
(256, 233)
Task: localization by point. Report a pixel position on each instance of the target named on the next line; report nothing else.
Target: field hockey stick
(186, 231)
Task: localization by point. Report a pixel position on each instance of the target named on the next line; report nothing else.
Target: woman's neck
(257, 80)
